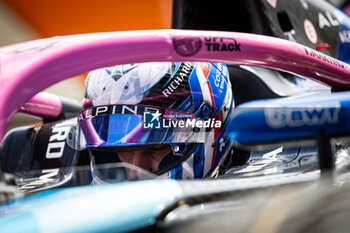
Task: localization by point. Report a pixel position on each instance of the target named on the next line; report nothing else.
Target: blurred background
(23, 20)
(30, 19)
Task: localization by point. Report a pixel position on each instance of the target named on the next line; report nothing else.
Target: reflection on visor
(156, 159)
(118, 172)
(38, 180)
(126, 125)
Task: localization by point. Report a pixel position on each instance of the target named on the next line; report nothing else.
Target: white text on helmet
(179, 77)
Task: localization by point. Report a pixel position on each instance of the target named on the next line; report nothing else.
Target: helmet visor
(132, 125)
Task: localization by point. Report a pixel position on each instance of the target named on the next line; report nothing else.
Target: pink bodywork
(43, 105)
(28, 68)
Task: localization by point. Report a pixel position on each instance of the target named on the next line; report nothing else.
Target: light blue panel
(118, 207)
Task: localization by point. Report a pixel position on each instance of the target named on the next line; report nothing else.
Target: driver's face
(147, 159)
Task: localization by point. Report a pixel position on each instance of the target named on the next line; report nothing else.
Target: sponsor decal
(326, 58)
(264, 161)
(187, 46)
(114, 109)
(180, 77)
(223, 143)
(222, 44)
(48, 175)
(272, 3)
(175, 119)
(327, 21)
(310, 31)
(302, 116)
(57, 141)
(219, 81)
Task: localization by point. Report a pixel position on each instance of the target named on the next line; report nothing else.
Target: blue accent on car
(104, 208)
(344, 36)
(178, 172)
(293, 118)
(198, 161)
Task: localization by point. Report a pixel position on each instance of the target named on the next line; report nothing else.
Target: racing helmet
(168, 118)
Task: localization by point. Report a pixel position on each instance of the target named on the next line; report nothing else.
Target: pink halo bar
(44, 105)
(347, 9)
(27, 68)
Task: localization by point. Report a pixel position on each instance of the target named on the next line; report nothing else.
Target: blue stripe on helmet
(218, 82)
(177, 66)
(197, 95)
(198, 164)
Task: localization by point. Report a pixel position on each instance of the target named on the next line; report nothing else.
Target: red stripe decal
(205, 69)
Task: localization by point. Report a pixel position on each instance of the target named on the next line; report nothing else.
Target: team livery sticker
(115, 109)
(310, 31)
(321, 56)
(327, 21)
(179, 79)
(302, 116)
(189, 46)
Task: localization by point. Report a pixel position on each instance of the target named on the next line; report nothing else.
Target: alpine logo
(114, 109)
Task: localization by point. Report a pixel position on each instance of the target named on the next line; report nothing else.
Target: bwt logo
(304, 116)
(151, 120)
